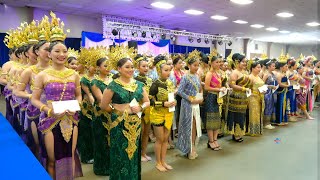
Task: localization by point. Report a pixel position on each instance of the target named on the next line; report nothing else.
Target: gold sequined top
(159, 91)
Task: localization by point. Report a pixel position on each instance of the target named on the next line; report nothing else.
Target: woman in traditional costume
(238, 100)
(160, 117)
(125, 98)
(141, 64)
(256, 101)
(291, 94)
(270, 80)
(224, 83)
(308, 76)
(60, 131)
(202, 72)
(190, 120)
(101, 164)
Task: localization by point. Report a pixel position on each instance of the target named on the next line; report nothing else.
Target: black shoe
(237, 140)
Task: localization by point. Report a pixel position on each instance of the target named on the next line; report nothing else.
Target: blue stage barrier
(16, 160)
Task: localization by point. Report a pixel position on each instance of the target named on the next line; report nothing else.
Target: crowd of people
(127, 99)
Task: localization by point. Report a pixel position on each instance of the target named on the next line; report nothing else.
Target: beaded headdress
(213, 53)
(282, 58)
(33, 33)
(57, 32)
(118, 52)
(264, 56)
(44, 29)
(192, 56)
(139, 58)
(73, 53)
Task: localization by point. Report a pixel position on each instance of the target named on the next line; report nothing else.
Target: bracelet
(111, 106)
(42, 107)
(243, 89)
(49, 112)
(30, 96)
(191, 98)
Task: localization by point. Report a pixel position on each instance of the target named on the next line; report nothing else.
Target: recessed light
(285, 14)
(162, 5)
(284, 32)
(242, 2)
(240, 22)
(193, 12)
(218, 17)
(272, 29)
(184, 30)
(257, 26)
(313, 24)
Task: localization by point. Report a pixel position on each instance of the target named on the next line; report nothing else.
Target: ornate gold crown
(136, 61)
(33, 33)
(264, 56)
(282, 58)
(22, 34)
(73, 53)
(314, 58)
(11, 39)
(214, 52)
(89, 57)
(57, 32)
(195, 54)
(44, 29)
(118, 52)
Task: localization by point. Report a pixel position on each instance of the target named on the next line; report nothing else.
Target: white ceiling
(261, 11)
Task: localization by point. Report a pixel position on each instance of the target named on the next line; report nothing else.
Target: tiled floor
(294, 157)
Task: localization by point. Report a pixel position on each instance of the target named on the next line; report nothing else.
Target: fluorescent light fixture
(240, 22)
(162, 5)
(258, 26)
(219, 17)
(272, 29)
(285, 14)
(193, 12)
(242, 2)
(313, 24)
(284, 32)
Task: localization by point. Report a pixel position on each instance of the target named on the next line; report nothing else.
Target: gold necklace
(61, 74)
(131, 86)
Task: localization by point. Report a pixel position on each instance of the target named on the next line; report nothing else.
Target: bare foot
(161, 168)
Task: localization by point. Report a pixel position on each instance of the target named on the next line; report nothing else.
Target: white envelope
(263, 88)
(133, 103)
(61, 106)
(248, 93)
(199, 96)
(223, 93)
(171, 99)
(274, 90)
(296, 86)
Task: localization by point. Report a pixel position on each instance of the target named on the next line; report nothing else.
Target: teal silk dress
(125, 129)
(101, 164)
(85, 137)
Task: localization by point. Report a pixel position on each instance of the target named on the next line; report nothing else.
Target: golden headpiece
(282, 58)
(314, 58)
(264, 56)
(214, 52)
(22, 34)
(138, 59)
(118, 52)
(229, 59)
(32, 32)
(57, 33)
(158, 61)
(11, 40)
(44, 29)
(192, 56)
(73, 53)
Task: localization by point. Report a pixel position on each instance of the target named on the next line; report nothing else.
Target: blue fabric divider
(17, 161)
(186, 49)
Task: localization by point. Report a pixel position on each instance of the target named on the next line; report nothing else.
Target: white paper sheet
(274, 90)
(263, 88)
(133, 103)
(223, 93)
(248, 93)
(61, 106)
(171, 99)
(289, 83)
(297, 86)
(199, 96)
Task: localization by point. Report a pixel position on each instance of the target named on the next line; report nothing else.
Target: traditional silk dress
(9, 111)
(85, 138)
(302, 96)
(59, 87)
(178, 75)
(214, 104)
(101, 164)
(125, 129)
(237, 107)
(202, 72)
(147, 84)
(309, 90)
(291, 94)
(270, 99)
(189, 87)
(281, 105)
(256, 108)
(224, 114)
(160, 115)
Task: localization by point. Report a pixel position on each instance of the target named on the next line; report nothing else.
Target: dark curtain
(74, 43)
(186, 49)
(4, 51)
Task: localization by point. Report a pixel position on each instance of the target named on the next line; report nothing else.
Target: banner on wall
(90, 39)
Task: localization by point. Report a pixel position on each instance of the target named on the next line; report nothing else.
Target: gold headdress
(213, 53)
(314, 58)
(264, 56)
(73, 53)
(32, 32)
(229, 59)
(137, 60)
(282, 58)
(22, 34)
(194, 55)
(118, 52)
(44, 29)
(11, 40)
(57, 33)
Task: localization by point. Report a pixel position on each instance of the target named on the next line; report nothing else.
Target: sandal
(217, 146)
(212, 148)
(237, 140)
(161, 168)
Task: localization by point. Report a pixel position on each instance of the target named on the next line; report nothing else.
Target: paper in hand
(296, 86)
(223, 93)
(248, 93)
(263, 88)
(199, 96)
(62, 106)
(274, 90)
(133, 103)
(171, 99)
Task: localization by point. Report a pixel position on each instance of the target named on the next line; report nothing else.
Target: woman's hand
(135, 109)
(70, 113)
(169, 104)
(58, 115)
(91, 99)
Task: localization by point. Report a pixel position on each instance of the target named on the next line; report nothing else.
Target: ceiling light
(272, 29)
(240, 22)
(257, 26)
(218, 17)
(313, 24)
(284, 32)
(162, 5)
(184, 30)
(143, 34)
(199, 40)
(193, 12)
(114, 32)
(163, 36)
(285, 14)
(243, 2)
